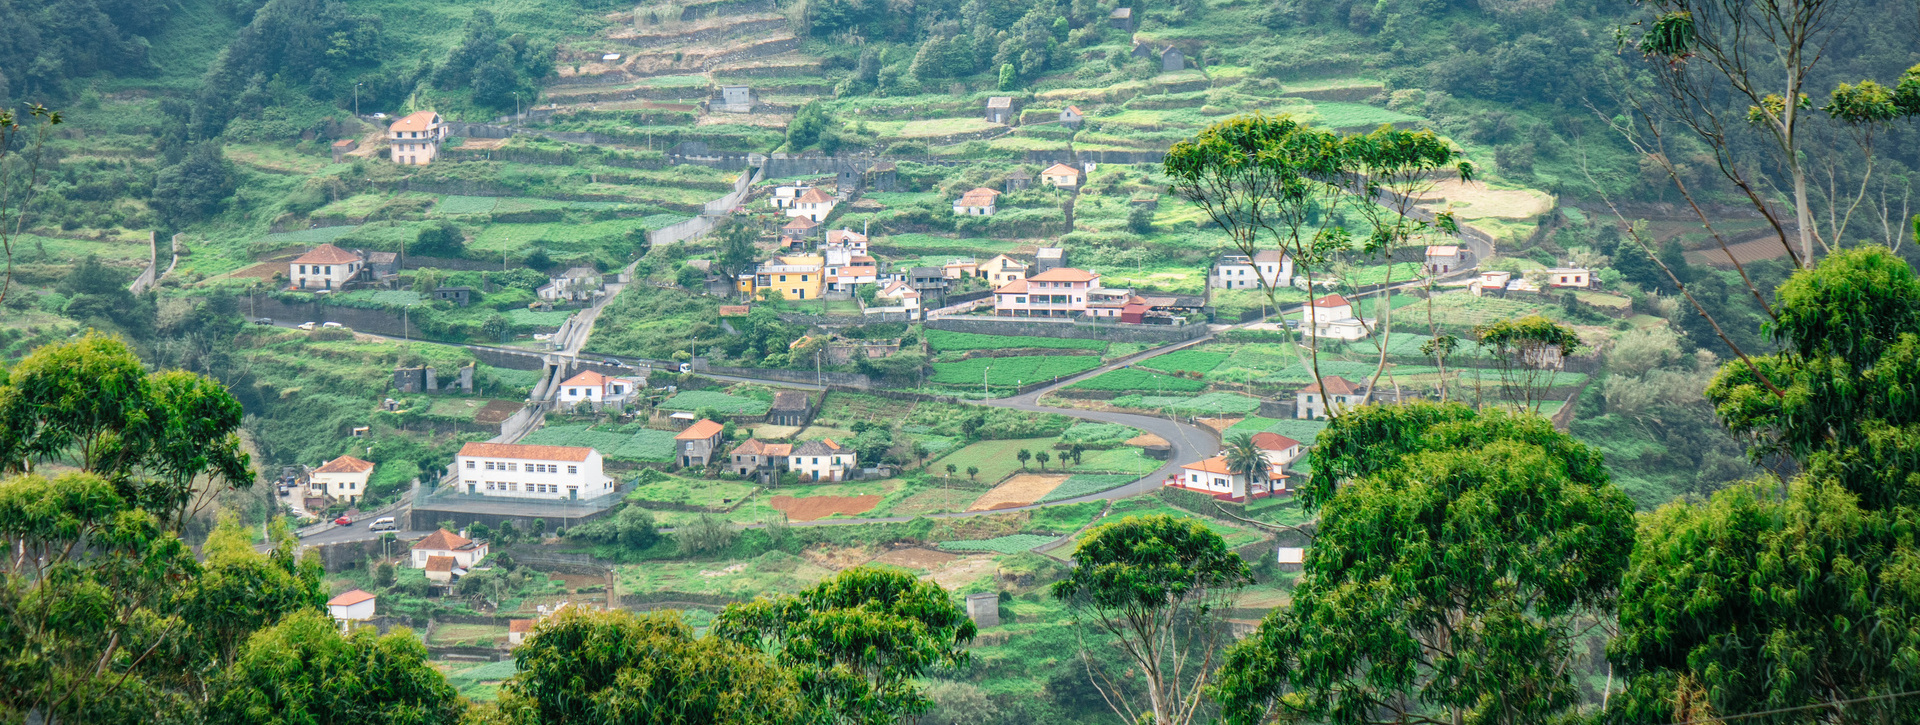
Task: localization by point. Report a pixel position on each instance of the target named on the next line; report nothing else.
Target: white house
(900, 294)
(342, 478)
(1332, 392)
(325, 267)
(848, 240)
(1215, 477)
(1570, 277)
(463, 551)
(414, 140)
(578, 283)
(1444, 258)
(517, 631)
(351, 606)
(1236, 271)
(1331, 317)
(1061, 176)
(1279, 450)
(979, 202)
(783, 196)
(822, 460)
(510, 470)
(814, 205)
(593, 387)
(1072, 116)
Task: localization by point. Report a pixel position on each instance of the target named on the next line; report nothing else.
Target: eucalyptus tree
(1258, 175)
(303, 670)
(1393, 170)
(1154, 587)
(20, 179)
(1529, 353)
(1460, 556)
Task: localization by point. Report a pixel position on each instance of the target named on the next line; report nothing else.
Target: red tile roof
(1061, 170)
(515, 450)
(981, 196)
(416, 121)
(845, 235)
(442, 540)
(1016, 287)
(735, 310)
(327, 254)
(1335, 385)
(440, 563)
(1065, 274)
(801, 222)
(700, 431)
(349, 599)
(1442, 250)
(813, 196)
(1273, 441)
(1216, 464)
(345, 464)
(519, 626)
(1331, 301)
(587, 378)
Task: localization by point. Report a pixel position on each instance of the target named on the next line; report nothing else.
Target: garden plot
(697, 400)
(1305, 431)
(944, 340)
(996, 459)
(630, 443)
(1086, 484)
(1012, 371)
(1020, 490)
(1126, 460)
(1210, 404)
(1186, 361)
(1139, 379)
(812, 508)
(1013, 544)
(673, 490)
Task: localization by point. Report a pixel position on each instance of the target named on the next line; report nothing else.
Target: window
(783, 278)
(469, 465)
(490, 465)
(513, 466)
(573, 469)
(816, 461)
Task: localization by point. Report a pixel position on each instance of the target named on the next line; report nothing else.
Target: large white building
(511, 470)
(1236, 271)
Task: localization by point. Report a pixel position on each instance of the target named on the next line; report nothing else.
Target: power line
(1821, 706)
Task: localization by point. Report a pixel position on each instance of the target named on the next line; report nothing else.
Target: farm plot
(1186, 361)
(1018, 491)
(1012, 371)
(1305, 431)
(696, 400)
(1138, 379)
(690, 492)
(1127, 460)
(1013, 544)
(819, 507)
(996, 459)
(943, 340)
(1088, 432)
(1086, 484)
(842, 408)
(1209, 404)
(631, 443)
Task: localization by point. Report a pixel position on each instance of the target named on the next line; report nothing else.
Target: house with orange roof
(1072, 117)
(1332, 393)
(415, 138)
(443, 569)
(1059, 292)
(343, 478)
(978, 202)
(352, 606)
(823, 460)
(843, 238)
(1332, 317)
(813, 204)
(460, 551)
(324, 268)
(1216, 477)
(759, 459)
(897, 296)
(513, 470)
(697, 445)
(1060, 176)
(591, 387)
(517, 631)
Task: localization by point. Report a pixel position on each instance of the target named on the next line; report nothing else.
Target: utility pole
(983, 381)
(356, 99)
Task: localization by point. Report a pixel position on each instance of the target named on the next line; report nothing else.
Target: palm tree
(951, 469)
(1024, 455)
(972, 472)
(1043, 457)
(1246, 459)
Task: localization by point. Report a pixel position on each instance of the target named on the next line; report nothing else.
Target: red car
(342, 521)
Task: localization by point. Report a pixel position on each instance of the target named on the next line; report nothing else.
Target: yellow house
(796, 276)
(1001, 270)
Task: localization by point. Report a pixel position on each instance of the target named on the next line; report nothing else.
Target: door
(470, 488)
(573, 493)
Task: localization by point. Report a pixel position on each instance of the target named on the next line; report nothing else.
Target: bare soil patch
(496, 412)
(1146, 439)
(1020, 490)
(934, 500)
(819, 507)
(837, 557)
(1219, 425)
(916, 558)
(482, 144)
(964, 571)
(1475, 200)
(264, 270)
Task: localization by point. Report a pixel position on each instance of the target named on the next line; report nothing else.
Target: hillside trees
(195, 188)
(52, 43)
(495, 68)
(857, 642)
(303, 671)
(1449, 579)
(1153, 586)
(278, 51)
(23, 140)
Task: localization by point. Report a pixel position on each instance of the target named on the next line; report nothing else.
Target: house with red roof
(1216, 477)
(1332, 317)
(1059, 292)
(513, 470)
(697, 445)
(596, 388)
(1333, 393)
(978, 202)
(823, 460)
(1072, 117)
(324, 268)
(458, 551)
(352, 606)
(1060, 176)
(812, 204)
(342, 478)
(415, 138)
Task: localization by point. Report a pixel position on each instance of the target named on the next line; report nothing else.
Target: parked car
(384, 523)
(263, 320)
(686, 367)
(343, 521)
(332, 324)
(307, 326)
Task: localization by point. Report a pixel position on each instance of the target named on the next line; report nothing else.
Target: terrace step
(725, 28)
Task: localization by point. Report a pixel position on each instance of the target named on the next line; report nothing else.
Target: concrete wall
(806, 377)
(1071, 330)
(428, 519)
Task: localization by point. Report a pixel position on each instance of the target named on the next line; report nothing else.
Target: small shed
(1171, 59)
(1018, 179)
(1072, 117)
(459, 296)
(342, 146)
(1049, 258)
(1291, 558)
(736, 98)
(352, 606)
(1122, 19)
(1000, 109)
(517, 631)
(984, 609)
(1134, 313)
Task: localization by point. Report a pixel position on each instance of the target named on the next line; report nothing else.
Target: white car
(306, 326)
(332, 324)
